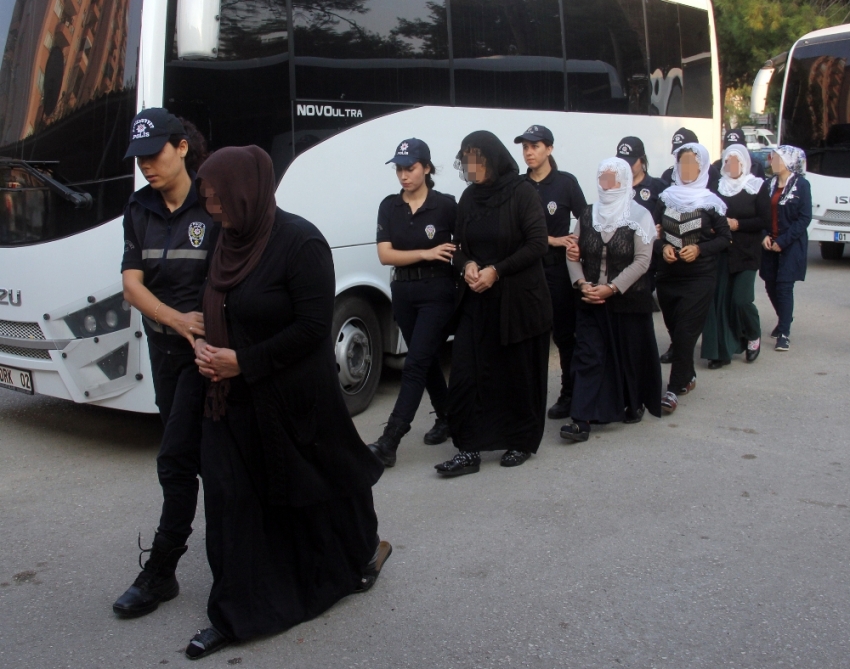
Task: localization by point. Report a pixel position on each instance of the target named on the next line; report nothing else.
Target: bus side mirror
(758, 100)
(197, 28)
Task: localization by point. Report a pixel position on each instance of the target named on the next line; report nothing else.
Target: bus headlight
(106, 316)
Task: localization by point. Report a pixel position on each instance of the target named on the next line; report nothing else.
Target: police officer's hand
(487, 276)
(669, 254)
(689, 253)
(442, 252)
(564, 241)
(573, 253)
(658, 230)
(216, 363)
(733, 224)
(189, 325)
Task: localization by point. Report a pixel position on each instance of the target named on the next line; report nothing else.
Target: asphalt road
(714, 538)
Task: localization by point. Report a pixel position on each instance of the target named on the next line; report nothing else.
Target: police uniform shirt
(560, 194)
(173, 249)
(432, 224)
(647, 192)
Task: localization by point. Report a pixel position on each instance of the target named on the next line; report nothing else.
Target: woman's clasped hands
(216, 363)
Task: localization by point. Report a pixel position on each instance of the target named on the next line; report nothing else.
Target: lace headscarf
(745, 181)
(694, 195)
(794, 158)
(616, 208)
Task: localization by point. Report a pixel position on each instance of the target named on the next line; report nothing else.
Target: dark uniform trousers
(422, 310)
(563, 319)
(180, 390)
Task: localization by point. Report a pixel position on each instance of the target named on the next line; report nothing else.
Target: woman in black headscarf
(497, 386)
(291, 527)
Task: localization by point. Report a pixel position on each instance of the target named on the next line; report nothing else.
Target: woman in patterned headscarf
(616, 373)
(733, 324)
(784, 259)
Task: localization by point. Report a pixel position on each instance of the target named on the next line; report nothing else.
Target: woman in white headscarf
(694, 232)
(616, 373)
(733, 325)
(784, 259)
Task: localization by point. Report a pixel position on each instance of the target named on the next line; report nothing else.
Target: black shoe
(387, 445)
(783, 343)
(717, 364)
(465, 462)
(775, 333)
(514, 458)
(634, 415)
(373, 569)
(439, 433)
(206, 642)
(572, 432)
(667, 357)
(561, 408)
(157, 582)
(753, 350)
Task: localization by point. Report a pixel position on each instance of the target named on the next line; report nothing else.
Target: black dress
(497, 386)
(615, 367)
(287, 479)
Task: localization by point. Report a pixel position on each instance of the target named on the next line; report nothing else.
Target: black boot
(387, 445)
(561, 408)
(440, 432)
(157, 582)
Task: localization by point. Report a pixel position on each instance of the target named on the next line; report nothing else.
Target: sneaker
(783, 343)
(465, 462)
(775, 332)
(669, 403)
(688, 388)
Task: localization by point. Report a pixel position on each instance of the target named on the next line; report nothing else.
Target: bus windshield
(816, 107)
(67, 96)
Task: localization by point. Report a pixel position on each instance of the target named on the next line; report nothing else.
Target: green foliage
(751, 31)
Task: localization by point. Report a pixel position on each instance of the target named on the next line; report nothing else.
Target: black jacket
(280, 320)
(526, 308)
(753, 215)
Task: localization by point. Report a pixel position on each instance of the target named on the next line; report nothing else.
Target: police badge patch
(430, 230)
(196, 233)
(644, 194)
(552, 208)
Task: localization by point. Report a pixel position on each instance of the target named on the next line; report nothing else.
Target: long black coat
(526, 308)
(753, 215)
(279, 321)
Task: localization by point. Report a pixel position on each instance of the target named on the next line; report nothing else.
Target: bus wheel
(358, 349)
(831, 250)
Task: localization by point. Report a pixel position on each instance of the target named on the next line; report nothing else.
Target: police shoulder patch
(197, 230)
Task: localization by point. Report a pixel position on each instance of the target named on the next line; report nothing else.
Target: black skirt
(497, 394)
(615, 365)
(273, 566)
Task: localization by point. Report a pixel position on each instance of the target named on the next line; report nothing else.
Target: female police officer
(168, 236)
(415, 236)
(560, 194)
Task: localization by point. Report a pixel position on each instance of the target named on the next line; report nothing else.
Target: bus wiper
(78, 199)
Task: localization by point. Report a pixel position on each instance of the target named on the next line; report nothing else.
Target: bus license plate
(842, 236)
(16, 379)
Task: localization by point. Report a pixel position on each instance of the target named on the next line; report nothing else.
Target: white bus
(815, 116)
(328, 89)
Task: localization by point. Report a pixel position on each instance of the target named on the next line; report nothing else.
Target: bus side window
(606, 56)
(696, 61)
(508, 59)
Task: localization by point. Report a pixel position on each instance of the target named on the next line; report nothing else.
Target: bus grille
(32, 353)
(836, 217)
(21, 330)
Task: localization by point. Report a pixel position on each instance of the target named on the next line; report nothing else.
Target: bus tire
(358, 350)
(831, 250)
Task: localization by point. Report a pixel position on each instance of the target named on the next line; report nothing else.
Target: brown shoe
(688, 388)
(373, 569)
(669, 403)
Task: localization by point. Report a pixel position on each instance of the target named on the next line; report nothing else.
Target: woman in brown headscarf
(291, 527)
